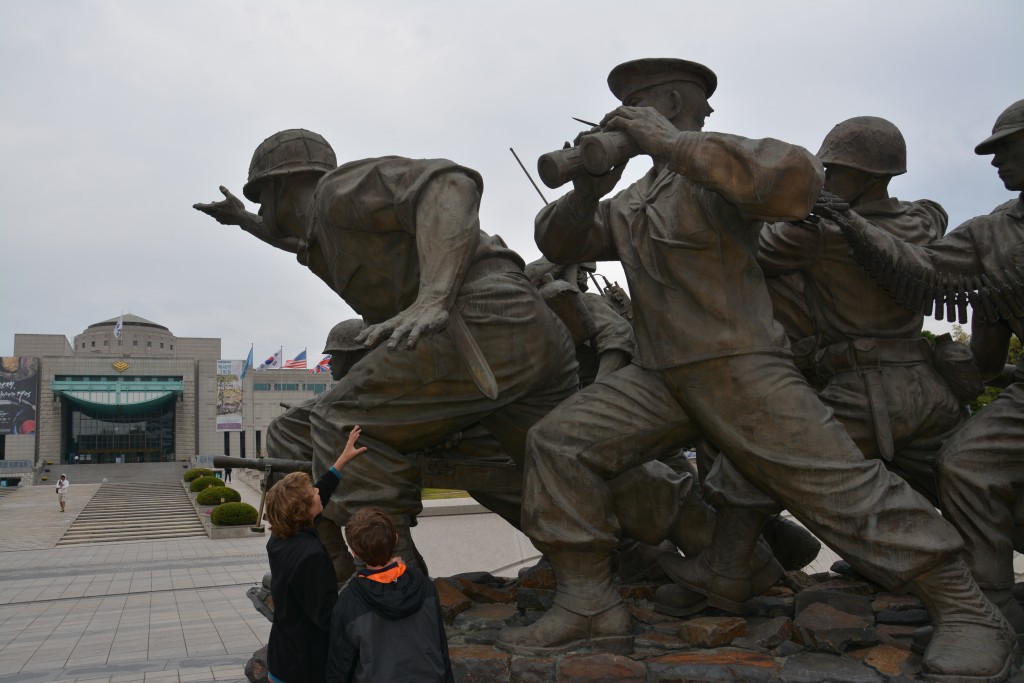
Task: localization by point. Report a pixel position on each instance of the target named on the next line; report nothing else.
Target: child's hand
(350, 448)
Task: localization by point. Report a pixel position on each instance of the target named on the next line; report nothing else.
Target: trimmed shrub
(204, 483)
(214, 494)
(196, 472)
(233, 514)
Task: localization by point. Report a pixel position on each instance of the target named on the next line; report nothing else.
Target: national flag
(272, 363)
(297, 363)
(248, 365)
(323, 366)
(118, 326)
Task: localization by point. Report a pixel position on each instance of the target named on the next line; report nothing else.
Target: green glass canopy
(120, 396)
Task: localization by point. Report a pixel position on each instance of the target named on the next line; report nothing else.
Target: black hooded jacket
(304, 588)
(388, 632)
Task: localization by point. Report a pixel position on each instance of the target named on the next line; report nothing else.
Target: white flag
(272, 363)
(118, 326)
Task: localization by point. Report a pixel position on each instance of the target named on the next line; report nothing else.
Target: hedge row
(215, 495)
(196, 472)
(230, 514)
(204, 483)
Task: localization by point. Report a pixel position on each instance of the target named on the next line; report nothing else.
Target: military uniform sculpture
(981, 468)
(709, 357)
(445, 303)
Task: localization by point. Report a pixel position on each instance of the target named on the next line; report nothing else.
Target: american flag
(297, 363)
(323, 366)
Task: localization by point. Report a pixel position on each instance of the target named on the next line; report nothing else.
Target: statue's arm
(766, 179)
(575, 228)
(231, 211)
(787, 247)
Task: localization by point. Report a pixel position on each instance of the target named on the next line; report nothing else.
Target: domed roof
(129, 319)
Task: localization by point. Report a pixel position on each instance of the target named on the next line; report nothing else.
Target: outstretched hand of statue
(227, 211)
(420, 320)
(654, 133)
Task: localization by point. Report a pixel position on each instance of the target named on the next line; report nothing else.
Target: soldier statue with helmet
(864, 352)
(981, 467)
(456, 334)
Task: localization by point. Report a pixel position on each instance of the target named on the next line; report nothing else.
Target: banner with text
(19, 392)
(229, 395)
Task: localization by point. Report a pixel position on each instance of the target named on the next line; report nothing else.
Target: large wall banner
(229, 395)
(19, 391)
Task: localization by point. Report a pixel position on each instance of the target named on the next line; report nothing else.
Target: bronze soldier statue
(981, 468)
(470, 343)
(457, 334)
(712, 362)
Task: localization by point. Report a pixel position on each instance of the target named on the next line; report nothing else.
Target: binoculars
(596, 154)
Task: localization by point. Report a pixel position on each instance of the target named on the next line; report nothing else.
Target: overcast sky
(116, 116)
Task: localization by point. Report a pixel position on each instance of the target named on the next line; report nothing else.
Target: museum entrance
(117, 419)
(94, 437)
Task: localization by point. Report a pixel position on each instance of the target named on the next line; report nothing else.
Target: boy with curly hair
(303, 583)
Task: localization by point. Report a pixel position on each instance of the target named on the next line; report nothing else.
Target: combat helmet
(290, 151)
(1009, 122)
(866, 143)
(342, 337)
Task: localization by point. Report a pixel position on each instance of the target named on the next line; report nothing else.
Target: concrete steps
(135, 511)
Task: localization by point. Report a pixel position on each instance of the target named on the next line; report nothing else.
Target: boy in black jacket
(387, 624)
(302, 579)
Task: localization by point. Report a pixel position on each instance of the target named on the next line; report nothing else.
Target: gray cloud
(117, 116)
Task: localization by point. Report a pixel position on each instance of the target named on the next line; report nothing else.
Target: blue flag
(248, 364)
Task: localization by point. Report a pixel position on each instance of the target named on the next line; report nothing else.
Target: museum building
(137, 394)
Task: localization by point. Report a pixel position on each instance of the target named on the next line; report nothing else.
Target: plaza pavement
(175, 611)
(172, 611)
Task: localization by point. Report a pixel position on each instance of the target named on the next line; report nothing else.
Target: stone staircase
(135, 511)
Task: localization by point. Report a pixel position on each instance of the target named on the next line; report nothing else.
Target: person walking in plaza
(227, 475)
(62, 490)
(303, 584)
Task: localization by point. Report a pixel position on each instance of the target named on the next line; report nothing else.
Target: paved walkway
(169, 611)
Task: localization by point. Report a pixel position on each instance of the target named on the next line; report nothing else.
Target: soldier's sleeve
(786, 248)
(614, 333)
(572, 230)
(767, 179)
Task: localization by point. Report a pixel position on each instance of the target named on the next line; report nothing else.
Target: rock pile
(820, 628)
(823, 627)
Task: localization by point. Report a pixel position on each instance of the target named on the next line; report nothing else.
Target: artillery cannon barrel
(261, 464)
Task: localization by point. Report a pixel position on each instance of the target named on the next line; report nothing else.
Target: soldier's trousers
(922, 411)
(981, 485)
(762, 413)
(409, 399)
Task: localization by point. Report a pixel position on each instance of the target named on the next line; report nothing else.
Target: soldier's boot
(637, 562)
(332, 538)
(734, 568)
(971, 641)
(588, 613)
(694, 524)
(1003, 598)
(793, 546)
(407, 550)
